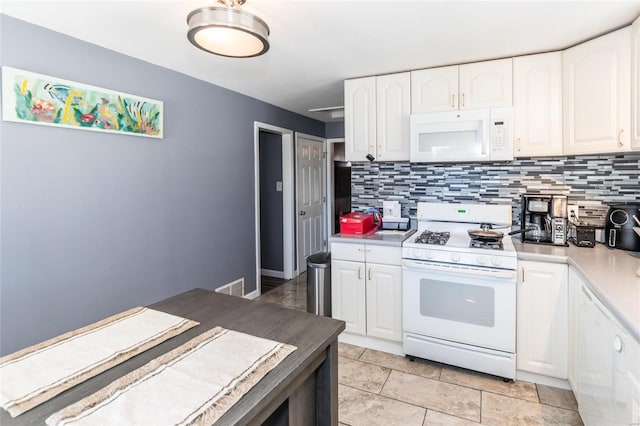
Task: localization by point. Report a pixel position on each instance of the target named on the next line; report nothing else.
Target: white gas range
(459, 294)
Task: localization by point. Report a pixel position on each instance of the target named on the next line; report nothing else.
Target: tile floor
(377, 388)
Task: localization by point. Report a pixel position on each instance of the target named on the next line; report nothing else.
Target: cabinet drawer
(348, 251)
(385, 255)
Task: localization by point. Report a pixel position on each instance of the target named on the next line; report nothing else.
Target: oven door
(469, 305)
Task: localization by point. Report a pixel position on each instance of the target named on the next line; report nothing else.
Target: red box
(356, 223)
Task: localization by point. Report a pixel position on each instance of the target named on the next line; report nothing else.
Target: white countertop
(386, 238)
(609, 273)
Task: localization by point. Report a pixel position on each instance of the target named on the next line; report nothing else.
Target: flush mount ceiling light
(228, 31)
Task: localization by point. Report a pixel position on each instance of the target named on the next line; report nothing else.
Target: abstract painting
(28, 97)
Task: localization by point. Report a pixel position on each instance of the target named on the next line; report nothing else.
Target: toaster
(582, 234)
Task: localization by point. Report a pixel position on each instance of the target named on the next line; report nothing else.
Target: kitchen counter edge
(383, 240)
(618, 290)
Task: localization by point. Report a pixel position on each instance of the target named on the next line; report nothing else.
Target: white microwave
(473, 135)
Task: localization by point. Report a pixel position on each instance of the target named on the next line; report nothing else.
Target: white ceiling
(316, 44)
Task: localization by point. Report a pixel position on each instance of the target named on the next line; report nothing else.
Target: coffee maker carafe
(544, 219)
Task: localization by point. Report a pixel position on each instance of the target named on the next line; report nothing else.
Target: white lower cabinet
(608, 363)
(542, 318)
(366, 289)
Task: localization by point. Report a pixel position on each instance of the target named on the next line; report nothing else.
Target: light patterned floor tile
(350, 351)
(418, 367)
(360, 375)
(502, 410)
(480, 381)
(357, 408)
(561, 398)
(445, 397)
(434, 418)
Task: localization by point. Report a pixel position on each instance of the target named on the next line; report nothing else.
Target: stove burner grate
(493, 245)
(429, 237)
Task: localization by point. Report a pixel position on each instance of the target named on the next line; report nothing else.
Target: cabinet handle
(359, 273)
(518, 144)
(617, 344)
(522, 275)
(620, 143)
(370, 274)
(453, 101)
(463, 100)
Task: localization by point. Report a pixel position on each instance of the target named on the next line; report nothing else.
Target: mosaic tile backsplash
(591, 181)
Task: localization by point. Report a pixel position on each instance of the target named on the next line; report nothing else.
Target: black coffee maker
(544, 219)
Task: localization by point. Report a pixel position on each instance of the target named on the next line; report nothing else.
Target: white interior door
(311, 197)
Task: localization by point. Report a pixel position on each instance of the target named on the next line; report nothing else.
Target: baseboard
(372, 343)
(271, 273)
(252, 295)
(542, 380)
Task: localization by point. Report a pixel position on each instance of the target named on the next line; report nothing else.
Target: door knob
(302, 212)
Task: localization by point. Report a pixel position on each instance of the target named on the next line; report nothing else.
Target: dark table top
(311, 334)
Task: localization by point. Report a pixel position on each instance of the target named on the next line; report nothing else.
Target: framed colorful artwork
(33, 98)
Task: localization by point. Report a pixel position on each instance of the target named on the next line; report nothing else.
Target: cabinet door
(597, 94)
(359, 118)
(384, 302)
(542, 319)
(486, 84)
(393, 93)
(635, 85)
(348, 295)
(537, 104)
(434, 90)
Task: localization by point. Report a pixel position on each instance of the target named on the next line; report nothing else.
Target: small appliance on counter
(543, 219)
(582, 234)
(391, 217)
(356, 223)
(619, 227)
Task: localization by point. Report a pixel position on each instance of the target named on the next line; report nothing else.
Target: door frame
(330, 184)
(288, 230)
(324, 172)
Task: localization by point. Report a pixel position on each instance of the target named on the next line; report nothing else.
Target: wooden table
(302, 390)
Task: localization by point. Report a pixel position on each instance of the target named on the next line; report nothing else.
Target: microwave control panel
(501, 139)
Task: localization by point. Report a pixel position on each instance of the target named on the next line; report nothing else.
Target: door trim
(330, 184)
(323, 180)
(288, 231)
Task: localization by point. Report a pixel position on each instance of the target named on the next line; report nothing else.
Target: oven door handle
(478, 272)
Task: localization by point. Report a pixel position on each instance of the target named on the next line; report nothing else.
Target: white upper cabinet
(537, 104)
(359, 118)
(393, 107)
(485, 84)
(597, 88)
(470, 86)
(377, 117)
(434, 90)
(635, 85)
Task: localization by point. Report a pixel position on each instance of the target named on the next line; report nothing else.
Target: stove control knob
(428, 254)
(417, 253)
(482, 260)
(455, 257)
(495, 261)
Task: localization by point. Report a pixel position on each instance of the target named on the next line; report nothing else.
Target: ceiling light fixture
(228, 31)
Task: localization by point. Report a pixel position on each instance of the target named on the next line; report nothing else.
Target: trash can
(319, 284)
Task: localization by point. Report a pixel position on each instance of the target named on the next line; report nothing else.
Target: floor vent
(235, 288)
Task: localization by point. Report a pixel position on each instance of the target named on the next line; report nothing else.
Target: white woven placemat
(38, 373)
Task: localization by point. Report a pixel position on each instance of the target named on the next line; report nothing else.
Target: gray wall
(94, 223)
(271, 212)
(334, 129)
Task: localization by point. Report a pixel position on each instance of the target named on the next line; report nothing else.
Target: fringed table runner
(38, 373)
(195, 384)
